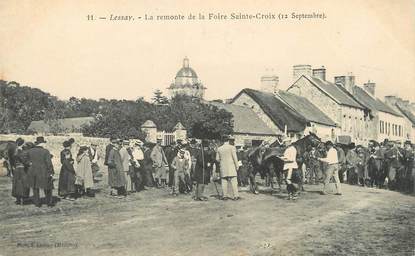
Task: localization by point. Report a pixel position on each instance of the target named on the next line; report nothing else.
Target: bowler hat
(66, 144)
(40, 140)
(19, 141)
(71, 140)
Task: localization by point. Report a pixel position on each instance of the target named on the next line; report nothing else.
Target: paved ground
(361, 222)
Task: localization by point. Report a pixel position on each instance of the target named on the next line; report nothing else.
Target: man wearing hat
(408, 160)
(205, 158)
(228, 162)
(40, 172)
(113, 141)
(160, 164)
(351, 164)
(332, 169)
(290, 163)
(179, 165)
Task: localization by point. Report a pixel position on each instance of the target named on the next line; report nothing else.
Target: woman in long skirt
(84, 171)
(20, 188)
(67, 187)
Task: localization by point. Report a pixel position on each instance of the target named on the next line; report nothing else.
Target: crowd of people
(186, 167)
(388, 164)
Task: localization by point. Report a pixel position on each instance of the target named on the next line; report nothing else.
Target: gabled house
(285, 113)
(384, 122)
(333, 99)
(248, 128)
(405, 109)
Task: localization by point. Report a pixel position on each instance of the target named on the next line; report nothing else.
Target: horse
(268, 163)
(7, 151)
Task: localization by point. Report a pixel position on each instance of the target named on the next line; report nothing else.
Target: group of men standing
(384, 164)
(189, 167)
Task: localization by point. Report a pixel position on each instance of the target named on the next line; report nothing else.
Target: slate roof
(407, 113)
(67, 124)
(334, 91)
(245, 120)
(307, 109)
(279, 111)
(371, 102)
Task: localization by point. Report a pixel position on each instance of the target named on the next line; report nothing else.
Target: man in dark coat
(116, 177)
(108, 148)
(408, 160)
(40, 173)
(205, 158)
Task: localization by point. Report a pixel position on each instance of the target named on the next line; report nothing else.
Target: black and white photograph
(199, 128)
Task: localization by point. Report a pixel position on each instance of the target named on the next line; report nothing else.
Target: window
(400, 130)
(389, 128)
(382, 127)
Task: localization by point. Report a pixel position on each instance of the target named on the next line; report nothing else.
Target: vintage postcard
(189, 127)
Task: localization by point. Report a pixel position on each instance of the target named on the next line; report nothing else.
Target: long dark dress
(148, 169)
(67, 174)
(204, 165)
(20, 187)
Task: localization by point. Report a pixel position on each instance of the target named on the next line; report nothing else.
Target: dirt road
(361, 222)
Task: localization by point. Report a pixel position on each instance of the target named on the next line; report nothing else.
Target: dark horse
(268, 163)
(7, 151)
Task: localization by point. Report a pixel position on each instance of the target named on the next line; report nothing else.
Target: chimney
(370, 87)
(269, 83)
(391, 100)
(299, 70)
(320, 73)
(346, 81)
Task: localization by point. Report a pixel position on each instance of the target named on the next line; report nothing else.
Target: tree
(159, 98)
(202, 120)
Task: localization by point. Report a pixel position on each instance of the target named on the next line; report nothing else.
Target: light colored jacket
(228, 160)
(125, 159)
(290, 154)
(158, 157)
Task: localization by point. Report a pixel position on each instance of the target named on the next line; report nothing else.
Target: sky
(52, 46)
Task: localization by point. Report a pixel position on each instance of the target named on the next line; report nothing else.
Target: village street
(361, 222)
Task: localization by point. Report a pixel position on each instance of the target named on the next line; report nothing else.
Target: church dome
(186, 70)
(186, 82)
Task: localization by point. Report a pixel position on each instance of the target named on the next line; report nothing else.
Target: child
(180, 165)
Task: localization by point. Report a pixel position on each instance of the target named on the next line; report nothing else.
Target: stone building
(384, 122)
(333, 99)
(285, 113)
(404, 108)
(187, 83)
(248, 128)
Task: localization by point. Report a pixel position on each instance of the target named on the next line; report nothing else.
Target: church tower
(187, 82)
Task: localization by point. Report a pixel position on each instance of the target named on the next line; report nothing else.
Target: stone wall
(245, 100)
(328, 106)
(54, 145)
